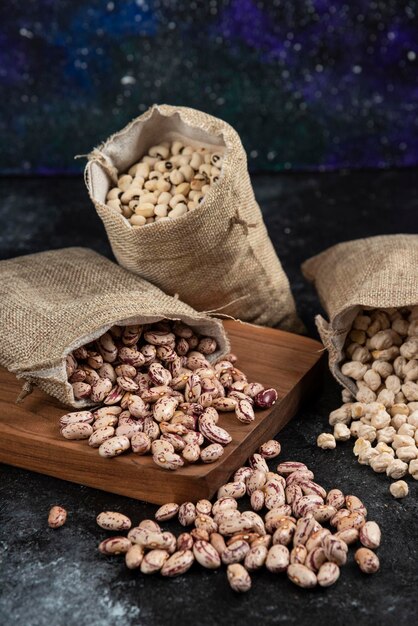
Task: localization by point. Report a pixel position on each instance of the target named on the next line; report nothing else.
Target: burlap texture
(217, 257)
(378, 272)
(54, 302)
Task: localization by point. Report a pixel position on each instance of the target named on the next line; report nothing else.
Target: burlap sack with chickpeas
(378, 272)
(217, 257)
(54, 302)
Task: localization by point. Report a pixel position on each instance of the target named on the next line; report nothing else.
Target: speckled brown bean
(149, 524)
(206, 555)
(153, 561)
(254, 522)
(275, 517)
(249, 537)
(370, 535)
(185, 542)
(367, 560)
(257, 462)
(77, 431)
(143, 536)
(235, 552)
(57, 517)
(335, 549)
(140, 443)
(134, 556)
(316, 538)
(76, 417)
(136, 406)
(349, 535)
(128, 428)
(304, 528)
(218, 542)
(178, 563)
(355, 504)
(106, 411)
(335, 498)
(257, 500)
(176, 440)
(309, 487)
(224, 404)
(242, 474)
(233, 490)
(324, 512)
(244, 411)
(315, 558)
(101, 435)
(288, 467)
(274, 495)
(115, 545)
(187, 513)
(206, 522)
(354, 520)
(168, 460)
(284, 533)
(212, 432)
(306, 505)
(199, 534)
(335, 519)
(105, 421)
(299, 476)
(167, 512)
(114, 446)
(298, 554)
(100, 389)
(191, 452)
(328, 574)
(165, 408)
(111, 520)
(255, 481)
(301, 575)
(211, 453)
(238, 578)
(224, 504)
(265, 540)
(293, 493)
(255, 558)
(204, 507)
(277, 559)
(270, 449)
(159, 446)
(81, 390)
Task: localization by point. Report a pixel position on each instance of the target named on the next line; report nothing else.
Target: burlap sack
(378, 272)
(54, 302)
(217, 257)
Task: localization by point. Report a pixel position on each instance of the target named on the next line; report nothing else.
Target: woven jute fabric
(378, 272)
(54, 302)
(217, 257)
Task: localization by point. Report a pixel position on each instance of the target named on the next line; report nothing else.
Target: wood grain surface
(30, 437)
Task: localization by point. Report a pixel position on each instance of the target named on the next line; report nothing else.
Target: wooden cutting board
(30, 437)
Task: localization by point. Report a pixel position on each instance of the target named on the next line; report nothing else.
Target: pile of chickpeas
(381, 357)
(169, 181)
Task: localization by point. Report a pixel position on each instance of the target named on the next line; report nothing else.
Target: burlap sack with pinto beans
(217, 257)
(54, 302)
(378, 272)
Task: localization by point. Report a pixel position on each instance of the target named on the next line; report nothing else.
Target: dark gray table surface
(57, 577)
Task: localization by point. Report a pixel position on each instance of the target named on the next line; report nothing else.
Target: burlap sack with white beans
(217, 257)
(54, 302)
(378, 272)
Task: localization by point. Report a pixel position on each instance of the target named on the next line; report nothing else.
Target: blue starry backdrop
(308, 84)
